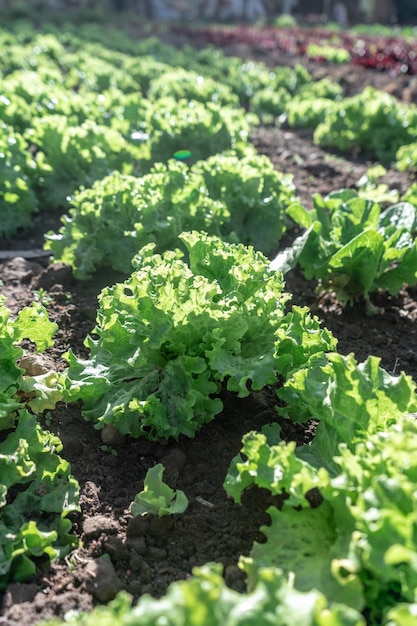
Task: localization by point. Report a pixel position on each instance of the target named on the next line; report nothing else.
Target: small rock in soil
(137, 544)
(98, 524)
(36, 364)
(138, 525)
(138, 565)
(158, 554)
(116, 549)
(55, 274)
(110, 436)
(235, 578)
(101, 579)
(173, 463)
(21, 270)
(161, 526)
(17, 593)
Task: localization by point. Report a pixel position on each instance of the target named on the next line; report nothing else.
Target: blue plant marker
(182, 155)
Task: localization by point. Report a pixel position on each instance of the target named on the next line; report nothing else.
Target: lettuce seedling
(157, 498)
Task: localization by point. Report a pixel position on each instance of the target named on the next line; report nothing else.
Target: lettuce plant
(240, 199)
(255, 195)
(347, 525)
(180, 83)
(37, 492)
(312, 103)
(373, 122)
(203, 129)
(70, 156)
(169, 336)
(31, 323)
(354, 248)
(406, 157)
(332, 54)
(157, 498)
(112, 220)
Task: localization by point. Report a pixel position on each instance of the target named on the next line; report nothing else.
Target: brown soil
(147, 559)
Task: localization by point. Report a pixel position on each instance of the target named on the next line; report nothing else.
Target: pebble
(161, 526)
(95, 526)
(110, 436)
(36, 364)
(17, 593)
(116, 549)
(55, 274)
(101, 579)
(158, 554)
(137, 544)
(138, 525)
(20, 269)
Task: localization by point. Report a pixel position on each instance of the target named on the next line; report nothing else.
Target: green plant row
(188, 323)
(73, 112)
(37, 491)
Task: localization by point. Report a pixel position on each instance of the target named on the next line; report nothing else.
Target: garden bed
(213, 528)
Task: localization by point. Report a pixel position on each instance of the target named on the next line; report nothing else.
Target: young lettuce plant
(171, 335)
(31, 323)
(373, 122)
(203, 129)
(157, 498)
(69, 156)
(352, 247)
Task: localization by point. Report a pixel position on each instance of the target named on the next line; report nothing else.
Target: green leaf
(353, 268)
(157, 497)
(37, 494)
(33, 323)
(307, 546)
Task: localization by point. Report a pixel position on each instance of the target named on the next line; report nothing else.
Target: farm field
(115, 551)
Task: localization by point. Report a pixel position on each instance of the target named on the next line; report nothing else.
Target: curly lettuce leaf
(347, 526)
(347, 398)
(31, 323)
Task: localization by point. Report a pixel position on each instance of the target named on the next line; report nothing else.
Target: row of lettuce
(193, 238)
(73, 112)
